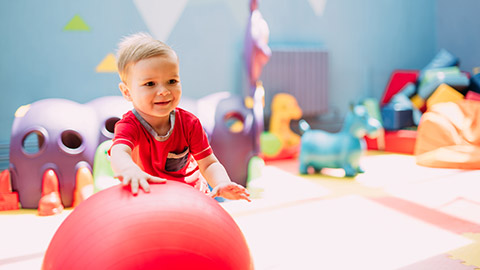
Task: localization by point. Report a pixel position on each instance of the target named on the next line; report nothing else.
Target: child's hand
(136, 178)
(231, 191)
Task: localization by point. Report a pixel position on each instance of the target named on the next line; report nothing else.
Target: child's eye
(172, 81)
(149, 84)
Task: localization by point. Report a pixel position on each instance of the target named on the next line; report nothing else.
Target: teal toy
(320, 149)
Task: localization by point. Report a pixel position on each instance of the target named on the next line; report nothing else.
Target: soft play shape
(434, 78)
(172, 227)
(398, 141)
(398, 80)
(444, 93)
(449, 136)
(51, 134)
(396, 117)
(442, 59)
(475, 83)
(320, 149)
(472, 96)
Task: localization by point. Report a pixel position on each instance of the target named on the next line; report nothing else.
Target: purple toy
(56, 134)
(109, 110)
(61, 135)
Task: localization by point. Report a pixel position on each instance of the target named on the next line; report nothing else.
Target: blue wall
(459, 30)
(366, 41)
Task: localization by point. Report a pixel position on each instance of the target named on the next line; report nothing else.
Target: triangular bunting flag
(108, 64)
(76, 24)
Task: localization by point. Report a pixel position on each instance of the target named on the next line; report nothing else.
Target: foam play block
(396, 117)
(475, 83)
(444, 93)
(442, 59)
(398, 79)
(399, 141)
(472, 96)
(459, 81)
(418, 102)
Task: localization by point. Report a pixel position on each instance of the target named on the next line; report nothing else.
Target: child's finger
(134, 185)
(155, 179)
(144, 184)
(126, 181)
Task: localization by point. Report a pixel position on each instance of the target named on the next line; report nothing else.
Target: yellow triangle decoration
(108, 64)
(76, 24)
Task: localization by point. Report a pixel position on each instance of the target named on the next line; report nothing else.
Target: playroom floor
(396, 215)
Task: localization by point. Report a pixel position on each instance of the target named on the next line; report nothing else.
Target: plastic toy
(320, 149)
(103, 176)
(109, 110)
(50, 202)
(280, 141)
(227, 121)
(51, 134)
(8, 198)
(173, 227)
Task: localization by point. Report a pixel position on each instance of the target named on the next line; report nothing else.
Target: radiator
(301, 72)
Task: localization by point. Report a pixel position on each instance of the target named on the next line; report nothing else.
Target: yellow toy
(281, 141)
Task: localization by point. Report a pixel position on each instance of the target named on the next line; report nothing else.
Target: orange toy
(50, 203)
(449, 136)
(8, 199)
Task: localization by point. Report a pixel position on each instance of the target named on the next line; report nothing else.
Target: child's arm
(217, 177)
(128, 172)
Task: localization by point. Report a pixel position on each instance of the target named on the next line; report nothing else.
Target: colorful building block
(398, 80)
(399, 141)
(444, 93)
(472, 95)
(396, 117)
(434, 78)
(475, 83)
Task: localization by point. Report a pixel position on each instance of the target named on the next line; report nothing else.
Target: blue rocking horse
(320, 149)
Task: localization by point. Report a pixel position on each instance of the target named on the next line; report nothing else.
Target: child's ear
(125, 91)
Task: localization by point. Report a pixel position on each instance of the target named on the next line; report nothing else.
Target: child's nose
(162, 91)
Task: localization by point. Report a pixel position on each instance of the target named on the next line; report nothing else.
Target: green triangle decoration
(76, 24)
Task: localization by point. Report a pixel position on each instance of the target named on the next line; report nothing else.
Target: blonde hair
(136, 47)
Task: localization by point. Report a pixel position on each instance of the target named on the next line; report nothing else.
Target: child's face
(153, 86)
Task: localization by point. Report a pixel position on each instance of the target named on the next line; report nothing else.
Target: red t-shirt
(171, 157)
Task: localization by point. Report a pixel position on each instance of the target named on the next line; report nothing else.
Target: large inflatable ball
(172, 227)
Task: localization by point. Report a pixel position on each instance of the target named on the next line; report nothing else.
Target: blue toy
(320, 149)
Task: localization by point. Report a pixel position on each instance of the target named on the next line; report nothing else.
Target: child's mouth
(162, 103)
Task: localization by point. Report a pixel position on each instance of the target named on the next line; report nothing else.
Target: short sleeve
(199, 145)
(126, 133)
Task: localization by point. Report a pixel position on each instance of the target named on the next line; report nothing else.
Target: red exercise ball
(172, 227)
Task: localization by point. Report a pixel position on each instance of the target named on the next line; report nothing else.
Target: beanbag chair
(449, 136)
